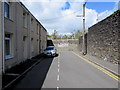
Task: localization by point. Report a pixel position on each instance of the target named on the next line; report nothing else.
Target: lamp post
(83, 32)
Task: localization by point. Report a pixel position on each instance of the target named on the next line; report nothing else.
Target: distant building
(25, 37)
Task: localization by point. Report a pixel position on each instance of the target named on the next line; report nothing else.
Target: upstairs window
(25, 20)
(31, 20)
(37, 28)
(7, 9)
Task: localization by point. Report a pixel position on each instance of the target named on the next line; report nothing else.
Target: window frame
(7, 12)
(10, 48)
(25, 20)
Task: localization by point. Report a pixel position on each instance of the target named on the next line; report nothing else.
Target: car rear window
(49, 48)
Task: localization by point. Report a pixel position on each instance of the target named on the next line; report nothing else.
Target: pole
(84, 49)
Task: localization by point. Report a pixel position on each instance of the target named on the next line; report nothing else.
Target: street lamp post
(83, 33)
(84, 49)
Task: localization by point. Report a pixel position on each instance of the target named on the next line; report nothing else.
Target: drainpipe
(3, 33)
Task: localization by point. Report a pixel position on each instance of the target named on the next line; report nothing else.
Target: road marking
(100, 68)
(58, 70)
(57, 88)
(58, 65)
(58, 78)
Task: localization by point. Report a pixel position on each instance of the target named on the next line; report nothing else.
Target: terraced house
(1, 39)
(24, 36)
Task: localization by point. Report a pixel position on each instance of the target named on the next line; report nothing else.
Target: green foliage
(73, 35)
(49, 36)
(118, 11)
(78, 33)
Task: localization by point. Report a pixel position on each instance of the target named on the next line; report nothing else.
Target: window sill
(25, 27)
(8, 57)
(8, 19)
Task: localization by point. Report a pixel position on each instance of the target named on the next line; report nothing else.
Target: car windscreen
(49, 48)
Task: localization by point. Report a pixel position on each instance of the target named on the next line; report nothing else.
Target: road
(67, 70)
(70, 71)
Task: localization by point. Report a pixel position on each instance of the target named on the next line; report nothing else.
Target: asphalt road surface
(66, 71)
(70, 71)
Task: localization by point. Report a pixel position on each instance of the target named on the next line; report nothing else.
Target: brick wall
(103, 38)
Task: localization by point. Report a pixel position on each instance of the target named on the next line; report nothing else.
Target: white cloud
(49, 13)
(107, 13)
(76, 1)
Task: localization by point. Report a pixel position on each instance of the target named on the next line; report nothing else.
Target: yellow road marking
(98, 67)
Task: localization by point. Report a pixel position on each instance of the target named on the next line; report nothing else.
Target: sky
(61, 15)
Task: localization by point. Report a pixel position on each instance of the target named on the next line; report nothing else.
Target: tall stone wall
(103, 38)
(66, 44)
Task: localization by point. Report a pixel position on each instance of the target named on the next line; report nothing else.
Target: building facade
(1, 38)
(1, 42)
(25, 37)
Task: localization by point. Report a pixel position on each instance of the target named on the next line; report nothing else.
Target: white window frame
(10, 55)
(5, 15)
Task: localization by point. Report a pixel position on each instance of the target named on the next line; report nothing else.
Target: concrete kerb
(21, 75)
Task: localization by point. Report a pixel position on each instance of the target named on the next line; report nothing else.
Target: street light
(84, 48)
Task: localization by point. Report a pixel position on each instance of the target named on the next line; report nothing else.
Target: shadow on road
(34, 79)
(44, 67)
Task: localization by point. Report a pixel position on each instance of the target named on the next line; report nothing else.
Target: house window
(32, 45)
(37, 28)
(7, 9)
(25, 20)
(8, 46)
(31, 20)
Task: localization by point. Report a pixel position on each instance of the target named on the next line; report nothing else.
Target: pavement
(109, 65)
(36, 76)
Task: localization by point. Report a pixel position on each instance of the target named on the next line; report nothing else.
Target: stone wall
(66, 44)
(103, 38)
(81, 46)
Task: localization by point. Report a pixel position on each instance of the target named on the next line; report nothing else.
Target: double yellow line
(99, 67)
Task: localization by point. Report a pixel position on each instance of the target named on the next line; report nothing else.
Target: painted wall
(25, 38)
(0, 45)
(1, 37)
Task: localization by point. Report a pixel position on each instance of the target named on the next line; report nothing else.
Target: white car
(50, 51)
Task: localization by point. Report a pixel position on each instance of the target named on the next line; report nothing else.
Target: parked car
(50, 51)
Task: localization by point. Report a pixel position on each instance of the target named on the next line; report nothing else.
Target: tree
(50, 36)
(78, 33)
(55, 34)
